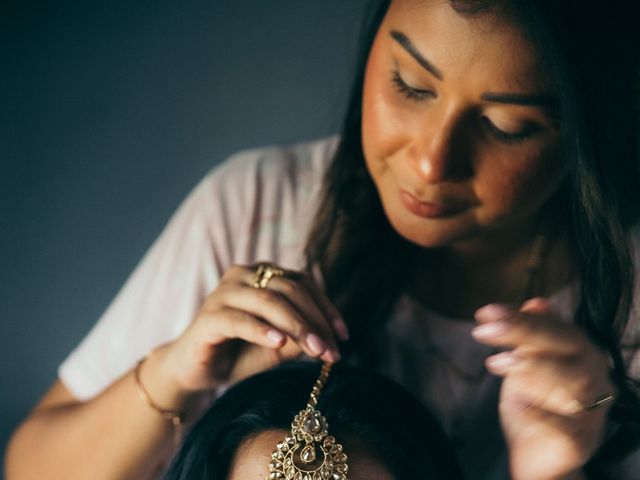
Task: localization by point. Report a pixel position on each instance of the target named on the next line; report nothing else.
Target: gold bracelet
(176, 418)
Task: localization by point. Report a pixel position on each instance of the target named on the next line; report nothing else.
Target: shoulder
(276, 163)
(261, 179)
(262, 200)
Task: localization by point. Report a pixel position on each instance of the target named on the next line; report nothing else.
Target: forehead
(489, 48)
(251, 460)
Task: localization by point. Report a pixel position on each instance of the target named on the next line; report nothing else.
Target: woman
(488, 157)
(386, 433)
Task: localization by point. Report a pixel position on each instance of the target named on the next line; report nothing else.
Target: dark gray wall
(109, 113)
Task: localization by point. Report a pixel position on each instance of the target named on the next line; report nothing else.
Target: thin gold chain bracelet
(175, 417)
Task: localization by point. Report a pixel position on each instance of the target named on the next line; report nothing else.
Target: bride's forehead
(251, 460)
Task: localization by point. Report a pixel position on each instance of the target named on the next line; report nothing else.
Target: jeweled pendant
(308, 454)
(310, 424)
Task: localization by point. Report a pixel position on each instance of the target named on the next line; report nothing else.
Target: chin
(430, 233)
(426, 232)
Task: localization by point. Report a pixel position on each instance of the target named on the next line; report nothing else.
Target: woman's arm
(114, 435)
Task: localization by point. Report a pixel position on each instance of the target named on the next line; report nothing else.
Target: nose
(440, 150)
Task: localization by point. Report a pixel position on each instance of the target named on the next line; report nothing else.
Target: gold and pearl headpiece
(308, 452)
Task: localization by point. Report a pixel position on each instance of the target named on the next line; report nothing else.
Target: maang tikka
(309, 452)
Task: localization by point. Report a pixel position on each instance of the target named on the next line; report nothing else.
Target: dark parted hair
(385, 417)
(590, 50)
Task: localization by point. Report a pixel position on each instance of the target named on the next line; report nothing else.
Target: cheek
(520, 185)
(385, 126)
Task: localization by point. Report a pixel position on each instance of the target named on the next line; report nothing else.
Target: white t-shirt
(258, 206)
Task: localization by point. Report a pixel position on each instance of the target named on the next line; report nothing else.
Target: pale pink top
(256, 206)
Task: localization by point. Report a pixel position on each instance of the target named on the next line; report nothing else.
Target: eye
(528, 131)
(409, 92)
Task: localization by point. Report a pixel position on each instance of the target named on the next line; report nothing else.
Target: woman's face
(251, 461)
(458, 125)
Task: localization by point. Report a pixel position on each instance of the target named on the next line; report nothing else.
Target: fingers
(543, 444)
(253, 356)
(274, 309)
(228, 323)
(533, 325)
(310, 303)
(329, 310)
(552, 374)
(313, 304)
(526, 419)
(536, 305)
(291, 303)
(551, 364)
(561, 385)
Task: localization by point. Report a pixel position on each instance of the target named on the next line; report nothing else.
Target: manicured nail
(315, 344)
(341, 329)
(490, 330)
(332, 356)
(275, 337)
(494, 312)
(536, 303)
(501, 361)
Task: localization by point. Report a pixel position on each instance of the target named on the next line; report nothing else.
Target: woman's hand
(552, 374)
(241, 330)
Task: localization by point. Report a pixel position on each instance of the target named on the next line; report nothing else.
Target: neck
(463, 277)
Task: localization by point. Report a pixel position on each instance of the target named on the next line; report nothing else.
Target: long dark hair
(386, 418)
(591, 51)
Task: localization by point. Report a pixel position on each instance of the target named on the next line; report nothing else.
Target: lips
(427, 209)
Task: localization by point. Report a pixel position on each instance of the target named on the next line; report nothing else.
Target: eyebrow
(404, 41)
(545, 101)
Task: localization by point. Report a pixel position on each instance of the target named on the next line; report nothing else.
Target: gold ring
(579, 407)
(600, 401)
(264, 273)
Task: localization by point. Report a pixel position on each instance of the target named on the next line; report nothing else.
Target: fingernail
(494, 312)
(332, 356)
(501, 361)
(341, 329)
(490, 330)
(536, 303)
(315, 344)
(275, 336)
